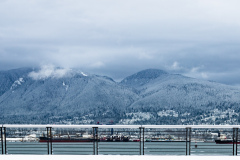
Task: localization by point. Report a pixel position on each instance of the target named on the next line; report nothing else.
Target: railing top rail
(71, 126)
(191, 126)
(120, 126)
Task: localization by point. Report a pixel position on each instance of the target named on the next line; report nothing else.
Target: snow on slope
(151, 96)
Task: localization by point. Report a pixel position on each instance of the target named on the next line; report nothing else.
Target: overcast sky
(196, 38)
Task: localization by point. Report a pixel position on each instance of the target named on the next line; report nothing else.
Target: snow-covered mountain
(162, 92)
(160, 89)
(75, 94)
(148, 97)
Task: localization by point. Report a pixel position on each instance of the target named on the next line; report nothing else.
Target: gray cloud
(117, 38)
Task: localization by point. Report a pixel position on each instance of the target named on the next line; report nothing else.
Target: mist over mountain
(152, 96)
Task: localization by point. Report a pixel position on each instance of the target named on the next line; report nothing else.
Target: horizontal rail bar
(24, 144)
(26, 147)
(117, 148)
(117, 151)
(121, 126)
(71, 147)
(166, 148)
(167, 141)
(28, 150)
(168, 151)
(191, 126)
(71, 126)
(221, 145)
(164, 145)
(126, 143)
(213, 148)
(71, 143)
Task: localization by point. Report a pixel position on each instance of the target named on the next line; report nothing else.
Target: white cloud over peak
(176, 66)
(48, 71)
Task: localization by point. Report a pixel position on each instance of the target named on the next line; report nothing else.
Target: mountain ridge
(39, 95)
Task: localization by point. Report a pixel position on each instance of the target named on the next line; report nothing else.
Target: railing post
(5, 140)
(49, 139)
(233, 140)
(95, 139)
(140, 143)
(236, 141)
(143, 139)
(189, 144)
(2, 139)
(186, 140)
(93, 130)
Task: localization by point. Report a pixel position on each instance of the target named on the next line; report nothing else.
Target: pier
(185, 140)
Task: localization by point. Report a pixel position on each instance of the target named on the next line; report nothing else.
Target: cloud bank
(118, 38)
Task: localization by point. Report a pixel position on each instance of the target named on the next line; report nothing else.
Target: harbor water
(121, 148)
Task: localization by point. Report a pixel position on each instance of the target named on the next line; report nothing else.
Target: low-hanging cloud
(48, 71)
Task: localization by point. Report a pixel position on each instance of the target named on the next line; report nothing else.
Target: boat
(226, 141)
(222, 139)
(46, 139)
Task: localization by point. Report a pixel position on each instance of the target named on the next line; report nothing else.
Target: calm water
(121, 148)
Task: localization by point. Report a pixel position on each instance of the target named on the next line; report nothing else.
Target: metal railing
(120, 139)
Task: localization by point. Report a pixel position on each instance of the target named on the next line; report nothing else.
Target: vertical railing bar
(186, 140)
(51, 138)
(47, 140)
(236, 141)
(233, 140)
(143, 140)
(93, 141)
(189, 144)
(97, 139)
(2, 139)
(140, 140)
(5, 140)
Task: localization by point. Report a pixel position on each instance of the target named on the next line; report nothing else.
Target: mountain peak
(150, 73)
(143, 77)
